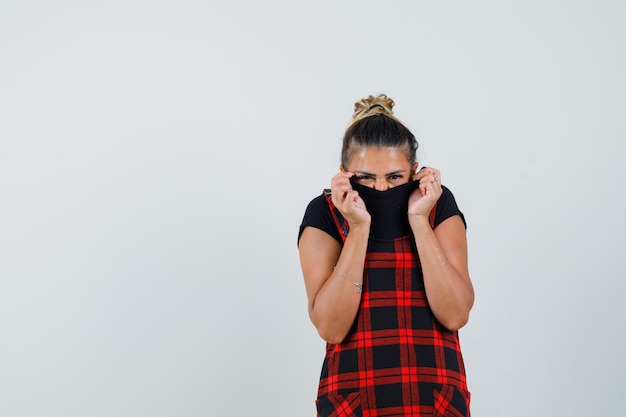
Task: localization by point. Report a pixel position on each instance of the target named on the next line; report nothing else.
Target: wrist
(360, 229)
(419, 220)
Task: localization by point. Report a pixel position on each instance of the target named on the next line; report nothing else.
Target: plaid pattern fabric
(397, 360)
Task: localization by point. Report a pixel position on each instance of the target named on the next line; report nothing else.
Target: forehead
(375, 160)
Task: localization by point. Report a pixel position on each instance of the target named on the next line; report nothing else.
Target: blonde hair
(381, 104)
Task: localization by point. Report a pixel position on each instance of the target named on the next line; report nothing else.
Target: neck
(388, 209)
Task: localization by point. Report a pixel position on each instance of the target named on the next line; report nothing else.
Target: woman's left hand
(426, 195)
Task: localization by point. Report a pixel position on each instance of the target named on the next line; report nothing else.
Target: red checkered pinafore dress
(397, 360)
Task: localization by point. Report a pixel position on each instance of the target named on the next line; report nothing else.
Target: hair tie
(371, 106)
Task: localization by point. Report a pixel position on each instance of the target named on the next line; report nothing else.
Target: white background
(156, 158)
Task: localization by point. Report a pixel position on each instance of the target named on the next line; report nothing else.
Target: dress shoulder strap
(340, 222)
(432, 215)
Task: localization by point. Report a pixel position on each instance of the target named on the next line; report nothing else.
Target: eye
(395, 177)
(363, 178)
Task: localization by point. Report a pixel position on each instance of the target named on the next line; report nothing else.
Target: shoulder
(447, 207)
(446, 195)
(318, 214)
(317, 208)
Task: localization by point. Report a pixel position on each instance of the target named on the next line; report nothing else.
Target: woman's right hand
(348, 202)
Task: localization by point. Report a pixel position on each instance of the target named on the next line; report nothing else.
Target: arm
(333, 299)
(443, 255)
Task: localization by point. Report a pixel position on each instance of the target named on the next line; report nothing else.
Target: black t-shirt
(318, 214)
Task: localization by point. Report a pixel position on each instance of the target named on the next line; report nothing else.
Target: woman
(384, 260)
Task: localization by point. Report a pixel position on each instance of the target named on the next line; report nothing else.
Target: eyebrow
(396, 172)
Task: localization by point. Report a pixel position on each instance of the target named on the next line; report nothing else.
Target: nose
(381, 184)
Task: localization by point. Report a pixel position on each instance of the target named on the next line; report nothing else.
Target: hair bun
(371, 106)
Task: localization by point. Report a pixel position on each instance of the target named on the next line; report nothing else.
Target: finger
(419, 175)
(436, 175)
(429, 186)
(425, 187)
(342, 176)
(353, 197)
(428, 176)
(341, 182)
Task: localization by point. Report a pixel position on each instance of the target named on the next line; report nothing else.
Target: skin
(332, 298)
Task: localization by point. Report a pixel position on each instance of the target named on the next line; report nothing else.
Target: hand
(423, 199)
(350, 205)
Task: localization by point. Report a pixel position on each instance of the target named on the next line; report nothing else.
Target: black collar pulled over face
(388, 209)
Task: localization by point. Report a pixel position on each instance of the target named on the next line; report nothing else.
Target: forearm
(337, 302)
(449, 293)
